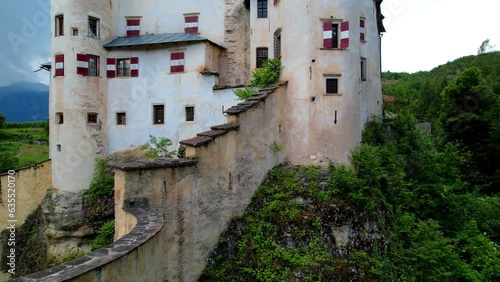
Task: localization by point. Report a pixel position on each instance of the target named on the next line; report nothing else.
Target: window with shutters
(177, 62)
(59, 25)
(92, 118)
(93, 65)
(261, 9)
(191, 23)
(362, 29)
(121, 118)
(133, 26)
(363, 69)
(335, 34)
(158, 114)
(262, 55)
(59, 67)
(277, 43)
(93, 27)
(59, 118)
(189, 113)
(123, 67)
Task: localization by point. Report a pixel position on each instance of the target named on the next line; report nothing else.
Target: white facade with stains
(105, 93)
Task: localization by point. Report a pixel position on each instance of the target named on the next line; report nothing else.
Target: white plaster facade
(318, 126)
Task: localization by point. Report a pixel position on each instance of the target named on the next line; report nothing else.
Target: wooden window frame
(190, 113)
(259, 58)
(123, 71)
(90, 25)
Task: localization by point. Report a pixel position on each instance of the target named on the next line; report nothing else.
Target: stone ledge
(226, 126)
(212, 133)
(149, 164)
(148, 225)
(196, 141)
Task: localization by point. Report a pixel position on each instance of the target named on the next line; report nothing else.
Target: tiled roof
(155, 39)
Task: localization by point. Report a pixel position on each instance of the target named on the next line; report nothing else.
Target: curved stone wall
(134, 257)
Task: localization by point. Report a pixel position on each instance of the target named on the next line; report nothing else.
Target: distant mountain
(25, 101)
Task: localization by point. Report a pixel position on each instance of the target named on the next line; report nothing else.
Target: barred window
(277, 44)
(91, 118)
(363, 69)
(121, 118)
(190, 113)
(332, 86)
(93, 65)
(158, 114)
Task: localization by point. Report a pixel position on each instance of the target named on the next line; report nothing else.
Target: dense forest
(415, 205)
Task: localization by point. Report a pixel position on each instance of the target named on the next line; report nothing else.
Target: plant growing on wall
(276, 147)
(268, 74)
(245, 93)
(158, 147)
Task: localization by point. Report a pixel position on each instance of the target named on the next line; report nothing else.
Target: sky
(421, 34)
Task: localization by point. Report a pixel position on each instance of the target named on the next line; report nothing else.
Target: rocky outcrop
(66, 227)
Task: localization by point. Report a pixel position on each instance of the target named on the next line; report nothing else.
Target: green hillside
(413, 206)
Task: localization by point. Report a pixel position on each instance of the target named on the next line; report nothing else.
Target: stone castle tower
(125, 69)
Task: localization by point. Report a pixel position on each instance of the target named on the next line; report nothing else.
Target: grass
(18, 143)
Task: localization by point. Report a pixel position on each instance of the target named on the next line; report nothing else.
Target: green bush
(158, 147)
(104, 235)
(103, 180)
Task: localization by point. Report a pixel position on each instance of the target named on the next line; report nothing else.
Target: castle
(126, 69)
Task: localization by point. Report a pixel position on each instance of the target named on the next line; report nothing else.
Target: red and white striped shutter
(59, 65)
(133, 27)
(82, 64)
(327, 35)
(344, 35)
(362, 29)
(177, 62)
(191, 24)
(134, 67)
(111, 67)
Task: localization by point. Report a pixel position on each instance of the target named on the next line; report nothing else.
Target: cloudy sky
(421, 34)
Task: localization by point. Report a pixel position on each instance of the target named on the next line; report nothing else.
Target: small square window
(74, 31)
(93, 65)
(332, 86)
(158, 114)
(91, 118)
(59, 118)
(123, 67)
(59, 25)
(262, 55)
(121, 118)
(190, 113)
(261, 9)
(93, 27)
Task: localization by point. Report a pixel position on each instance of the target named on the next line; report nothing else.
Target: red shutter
(111, 67)
(327, 35)
(344, 35)
(177, 62)
(133, 27)
(82, 64)
(362, 29)
(59, 65)
(134, 67)
(191, 24)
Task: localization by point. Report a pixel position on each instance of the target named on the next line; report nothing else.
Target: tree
(468, 116)
(3, 120)
(485, 47)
